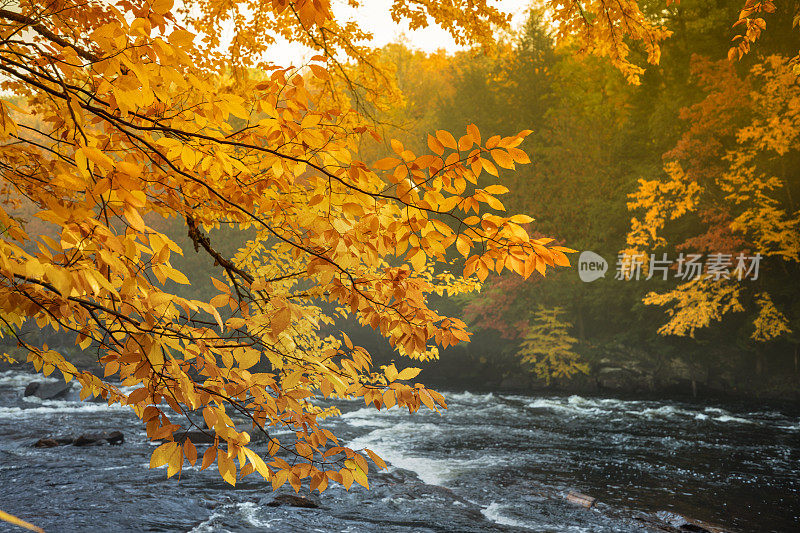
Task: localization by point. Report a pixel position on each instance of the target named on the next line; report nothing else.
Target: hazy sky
(374, 16)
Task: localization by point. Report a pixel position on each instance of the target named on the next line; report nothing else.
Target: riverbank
(623, 373)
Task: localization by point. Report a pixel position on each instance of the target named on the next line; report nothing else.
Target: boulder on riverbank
(114, 438)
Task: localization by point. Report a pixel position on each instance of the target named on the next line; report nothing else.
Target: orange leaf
(446, 138)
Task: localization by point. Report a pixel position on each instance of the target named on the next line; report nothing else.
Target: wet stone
(48, 391)
(683, 523)
(292, 500)
(114, 438)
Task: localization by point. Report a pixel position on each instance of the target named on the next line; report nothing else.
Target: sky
(374, 17)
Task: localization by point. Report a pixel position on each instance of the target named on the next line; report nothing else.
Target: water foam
(469, 397)
(492, 512)
(392, 444)
(578, 406)
(13, 378)
(729, 418)
(51, 407)
(246, 511)
(371, 417)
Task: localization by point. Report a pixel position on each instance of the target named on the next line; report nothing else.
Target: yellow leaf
(518, 155)
(426, 399)
(247, 357)
(521, 219)
(279, 479)
(375, 458)
(473, 132)
(226, 467)
(409, 373)
(496, 189)
(435, 146)
(502, 158)
(134, 219)
(190, 451)
(418, 260)
(162, 6)
(11, 519)
(463, 245)
(397, 146)
(258, 463)
(347, 478)
(177, 276)
(360, 477)
(489, 167)
(208, 457)
(162, 454)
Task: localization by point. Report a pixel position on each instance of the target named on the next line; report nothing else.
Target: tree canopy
(129, 116)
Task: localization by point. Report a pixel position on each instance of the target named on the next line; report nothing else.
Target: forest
(700, 158)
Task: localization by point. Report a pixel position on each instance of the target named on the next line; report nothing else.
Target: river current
(490, 462)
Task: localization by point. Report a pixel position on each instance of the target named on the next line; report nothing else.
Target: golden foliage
(129, 124)
(770, 323)
(547, 346)
(750, 19)
(753, 190)
(696, 304)
(661, 200)
(601, 28)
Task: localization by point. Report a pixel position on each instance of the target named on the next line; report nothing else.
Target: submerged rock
(115, 438)
(195, 435)
(45, 443)
(683, 523)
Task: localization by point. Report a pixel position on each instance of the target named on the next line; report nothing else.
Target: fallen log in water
(581, 499)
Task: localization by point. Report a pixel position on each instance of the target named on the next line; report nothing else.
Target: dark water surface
(491, 462)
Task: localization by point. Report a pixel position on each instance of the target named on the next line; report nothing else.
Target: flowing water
(491, 462)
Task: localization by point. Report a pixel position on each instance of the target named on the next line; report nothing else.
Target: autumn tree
(547, 346)
(134, 113)
(734, 174)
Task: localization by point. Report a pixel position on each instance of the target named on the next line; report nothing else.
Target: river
(491, 462)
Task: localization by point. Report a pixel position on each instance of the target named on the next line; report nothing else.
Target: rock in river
(115, 438)
(292, 500)
(48, 391)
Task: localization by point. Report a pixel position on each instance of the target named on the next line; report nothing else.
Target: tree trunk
(581, 330)
(694, 388)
